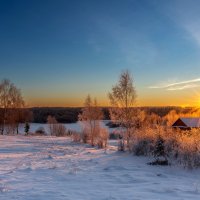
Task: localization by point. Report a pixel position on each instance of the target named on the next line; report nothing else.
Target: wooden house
(187, 123)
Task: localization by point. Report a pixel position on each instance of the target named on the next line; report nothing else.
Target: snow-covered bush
(92, 132)
(85, 135)
(52, 122)
(172, 145)
(97, 137)
(157, 141)
(76, 137)
(60, 130)
(189, 149)
(56, 128)
(121, 143)
(102, 138)
(10, 129)
(143, 142)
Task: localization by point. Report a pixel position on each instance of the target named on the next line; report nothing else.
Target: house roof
(192, 122)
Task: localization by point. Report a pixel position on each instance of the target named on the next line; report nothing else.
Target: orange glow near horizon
(189, 98)
(79, 102)
(61, 102)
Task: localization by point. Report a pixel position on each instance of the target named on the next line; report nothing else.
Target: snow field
(44, 167)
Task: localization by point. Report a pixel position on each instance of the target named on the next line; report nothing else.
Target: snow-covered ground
(35, 126)
(69, 126)
(50, 168)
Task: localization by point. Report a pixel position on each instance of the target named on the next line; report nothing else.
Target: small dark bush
(143, 147)
(159, 162)
(112, 125)
(76, 137)
(113, 136)
(40, 131)
(85, 137)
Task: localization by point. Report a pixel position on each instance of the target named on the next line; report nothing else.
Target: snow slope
(47, 168)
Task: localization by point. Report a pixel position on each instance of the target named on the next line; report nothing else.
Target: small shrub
(85, 137)
(26, 128)
(159, 162)
(60, 130)
(40, 131)
(102, 138)
(56, 128)
(69, 132)
(112, 124)
(121, 144)
(76, 137)
(189, 150)
(113, 136)
(159, 152)
(143, 147)
(166, 144)
(142, 142)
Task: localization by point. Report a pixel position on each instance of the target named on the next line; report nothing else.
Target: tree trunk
(17, 129)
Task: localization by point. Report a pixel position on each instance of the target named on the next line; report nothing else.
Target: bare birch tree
(122, 99)
(10, 100)
(91, 114)
(52, 124)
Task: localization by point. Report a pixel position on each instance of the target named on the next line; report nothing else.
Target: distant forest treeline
(62, 115)
(70, 115)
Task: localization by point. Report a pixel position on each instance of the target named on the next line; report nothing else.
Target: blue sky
(59, 51)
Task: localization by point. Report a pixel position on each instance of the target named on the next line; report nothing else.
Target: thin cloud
(178, 85)
(183, 87)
